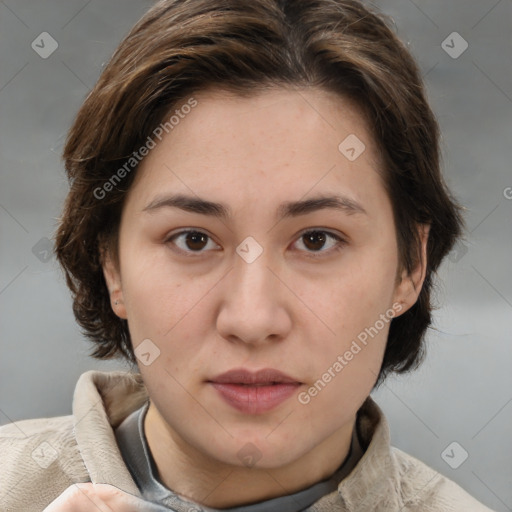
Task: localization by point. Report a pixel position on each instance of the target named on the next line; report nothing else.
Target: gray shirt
(135, 451)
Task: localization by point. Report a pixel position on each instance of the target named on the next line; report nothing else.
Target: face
(269, 278)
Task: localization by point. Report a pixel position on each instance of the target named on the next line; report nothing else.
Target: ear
(112, 276)
(410, 284)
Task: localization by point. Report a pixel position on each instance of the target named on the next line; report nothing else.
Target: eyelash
(341, 242)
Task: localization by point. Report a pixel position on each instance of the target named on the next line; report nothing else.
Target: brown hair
(181, 47)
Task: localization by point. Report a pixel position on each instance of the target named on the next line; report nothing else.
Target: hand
(89, 497)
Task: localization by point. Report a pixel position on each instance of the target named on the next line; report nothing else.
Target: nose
(255, 303)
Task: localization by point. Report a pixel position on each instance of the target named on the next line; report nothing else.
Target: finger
(120, 500)
(79, 497)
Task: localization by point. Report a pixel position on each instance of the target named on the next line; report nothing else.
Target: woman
(255, 215)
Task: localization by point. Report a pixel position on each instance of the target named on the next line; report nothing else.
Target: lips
(262, 377)
(254, 392)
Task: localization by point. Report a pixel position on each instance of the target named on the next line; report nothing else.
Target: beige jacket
(40, 458)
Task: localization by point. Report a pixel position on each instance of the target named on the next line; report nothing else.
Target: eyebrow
(287, 209)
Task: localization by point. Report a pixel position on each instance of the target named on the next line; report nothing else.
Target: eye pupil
(315, 238)
(196, 240)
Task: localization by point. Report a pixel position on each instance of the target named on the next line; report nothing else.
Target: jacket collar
(100, 402)
(374, 481)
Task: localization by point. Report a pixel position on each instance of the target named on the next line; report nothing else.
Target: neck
(198, 477)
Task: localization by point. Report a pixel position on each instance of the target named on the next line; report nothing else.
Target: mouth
(254, 392)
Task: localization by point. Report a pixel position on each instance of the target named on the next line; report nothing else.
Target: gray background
(462, 393)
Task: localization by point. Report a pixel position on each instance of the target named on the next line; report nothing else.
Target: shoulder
(425, 489)
(39, 459)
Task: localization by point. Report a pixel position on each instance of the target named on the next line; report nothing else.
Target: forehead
(272, 142)
(274, 121)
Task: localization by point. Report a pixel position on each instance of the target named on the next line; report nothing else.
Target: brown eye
(315, 240)
(196, 241)
(191, 241)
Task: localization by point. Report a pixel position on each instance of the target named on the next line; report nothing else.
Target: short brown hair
(181, 47)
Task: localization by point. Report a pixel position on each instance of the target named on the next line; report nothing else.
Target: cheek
(166, 306)
(345, 363)
(153, 295)
(351, 306)
(360, 292)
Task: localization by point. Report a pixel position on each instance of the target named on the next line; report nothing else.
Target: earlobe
(409, 287)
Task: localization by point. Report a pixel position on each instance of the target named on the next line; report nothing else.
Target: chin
(258, 451)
